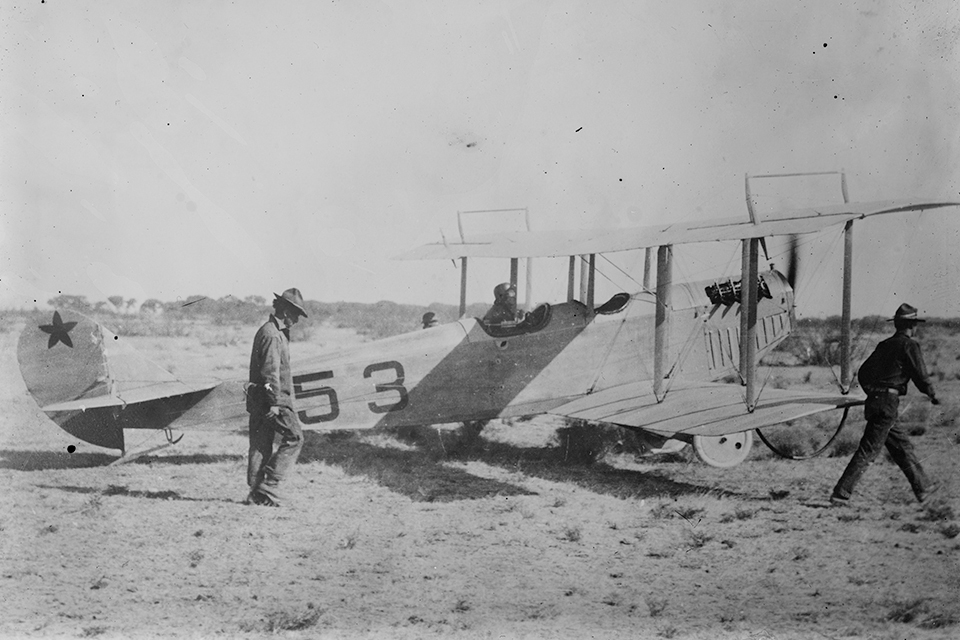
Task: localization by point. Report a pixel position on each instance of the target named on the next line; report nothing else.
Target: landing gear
(724, 451)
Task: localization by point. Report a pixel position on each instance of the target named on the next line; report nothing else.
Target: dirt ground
(419, 537)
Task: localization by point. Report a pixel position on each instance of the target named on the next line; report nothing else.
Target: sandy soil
(502, 539)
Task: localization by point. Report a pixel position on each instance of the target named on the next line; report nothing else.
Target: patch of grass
(462, 606)
(698, 538)
(571, 533)
(800, 554)
(939, 621)
(50, 528)
(349, 541)
(93, 632)
(937, 512)
(292, 621)
(663, 510)
(950, 530)
(656, 605)
(689, 513)
(195, 558)
(668, 631)
(93, 505)
(907, 611)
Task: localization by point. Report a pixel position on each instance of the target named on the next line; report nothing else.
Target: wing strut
(748, 319)
(647, 259)
(845, 373)
(463, 286)
(661, 336)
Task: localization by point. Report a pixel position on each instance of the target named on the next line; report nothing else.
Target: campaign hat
(293, 298)
(906, 313)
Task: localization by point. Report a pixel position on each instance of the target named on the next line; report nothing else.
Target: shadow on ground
(420, 474)
(119, 490)
(417, 474)
(44, 460)
(50, 460)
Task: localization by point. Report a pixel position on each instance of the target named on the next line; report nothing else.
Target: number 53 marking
(333, 404)
(396, 386)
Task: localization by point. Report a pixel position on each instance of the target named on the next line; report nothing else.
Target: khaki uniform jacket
(270, 377)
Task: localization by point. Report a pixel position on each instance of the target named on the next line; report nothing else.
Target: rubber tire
(724, 451)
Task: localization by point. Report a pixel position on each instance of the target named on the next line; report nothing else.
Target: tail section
(93, 385)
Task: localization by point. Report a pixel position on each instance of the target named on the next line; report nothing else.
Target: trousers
(267, 467)
(881, 413)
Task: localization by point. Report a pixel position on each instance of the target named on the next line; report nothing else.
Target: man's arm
(270, 368)
(916, 369)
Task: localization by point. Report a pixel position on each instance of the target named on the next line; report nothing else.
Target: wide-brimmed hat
(906, 313)
(294, 299)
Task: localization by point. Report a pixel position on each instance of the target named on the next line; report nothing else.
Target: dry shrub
(279, 621)
(939, 621)
(572, 533)
(907, 611)
(937, 512)
(656, 605)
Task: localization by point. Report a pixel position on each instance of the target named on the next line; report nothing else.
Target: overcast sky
(165, 149)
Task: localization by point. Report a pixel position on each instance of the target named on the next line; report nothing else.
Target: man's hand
(934, 400)
(274, 411)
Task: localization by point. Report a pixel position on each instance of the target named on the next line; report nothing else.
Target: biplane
(653, 361)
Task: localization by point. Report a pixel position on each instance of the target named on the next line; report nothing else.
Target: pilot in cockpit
(504, 310)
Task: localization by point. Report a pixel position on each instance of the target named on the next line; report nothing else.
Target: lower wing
(699, 408)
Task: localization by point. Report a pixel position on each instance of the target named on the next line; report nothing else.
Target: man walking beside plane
(884, 377)
(270, 403)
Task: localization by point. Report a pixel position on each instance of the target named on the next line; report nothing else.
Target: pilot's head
(429, 320)
(505, 294)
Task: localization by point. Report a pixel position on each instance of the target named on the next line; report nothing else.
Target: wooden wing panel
(709, 409)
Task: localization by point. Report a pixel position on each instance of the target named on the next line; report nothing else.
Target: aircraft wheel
(724, 451)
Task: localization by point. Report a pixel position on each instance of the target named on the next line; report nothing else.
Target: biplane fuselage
(455, 372)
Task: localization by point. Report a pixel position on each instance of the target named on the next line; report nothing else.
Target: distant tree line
(373, 320)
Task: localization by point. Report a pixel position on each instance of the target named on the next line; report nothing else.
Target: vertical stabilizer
(64, 360)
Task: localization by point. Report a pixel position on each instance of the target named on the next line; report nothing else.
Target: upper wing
(535, 244)
(698, 408)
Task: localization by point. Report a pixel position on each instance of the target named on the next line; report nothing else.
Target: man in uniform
(504, 309)
(270, 402)
(884, 377)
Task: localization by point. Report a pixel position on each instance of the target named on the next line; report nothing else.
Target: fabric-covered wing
(698, 408)
(536, 244)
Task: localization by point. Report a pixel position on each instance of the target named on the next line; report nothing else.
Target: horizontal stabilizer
(699, 408)
(156, 391)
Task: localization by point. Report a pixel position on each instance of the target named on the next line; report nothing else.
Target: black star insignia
(59, 331)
